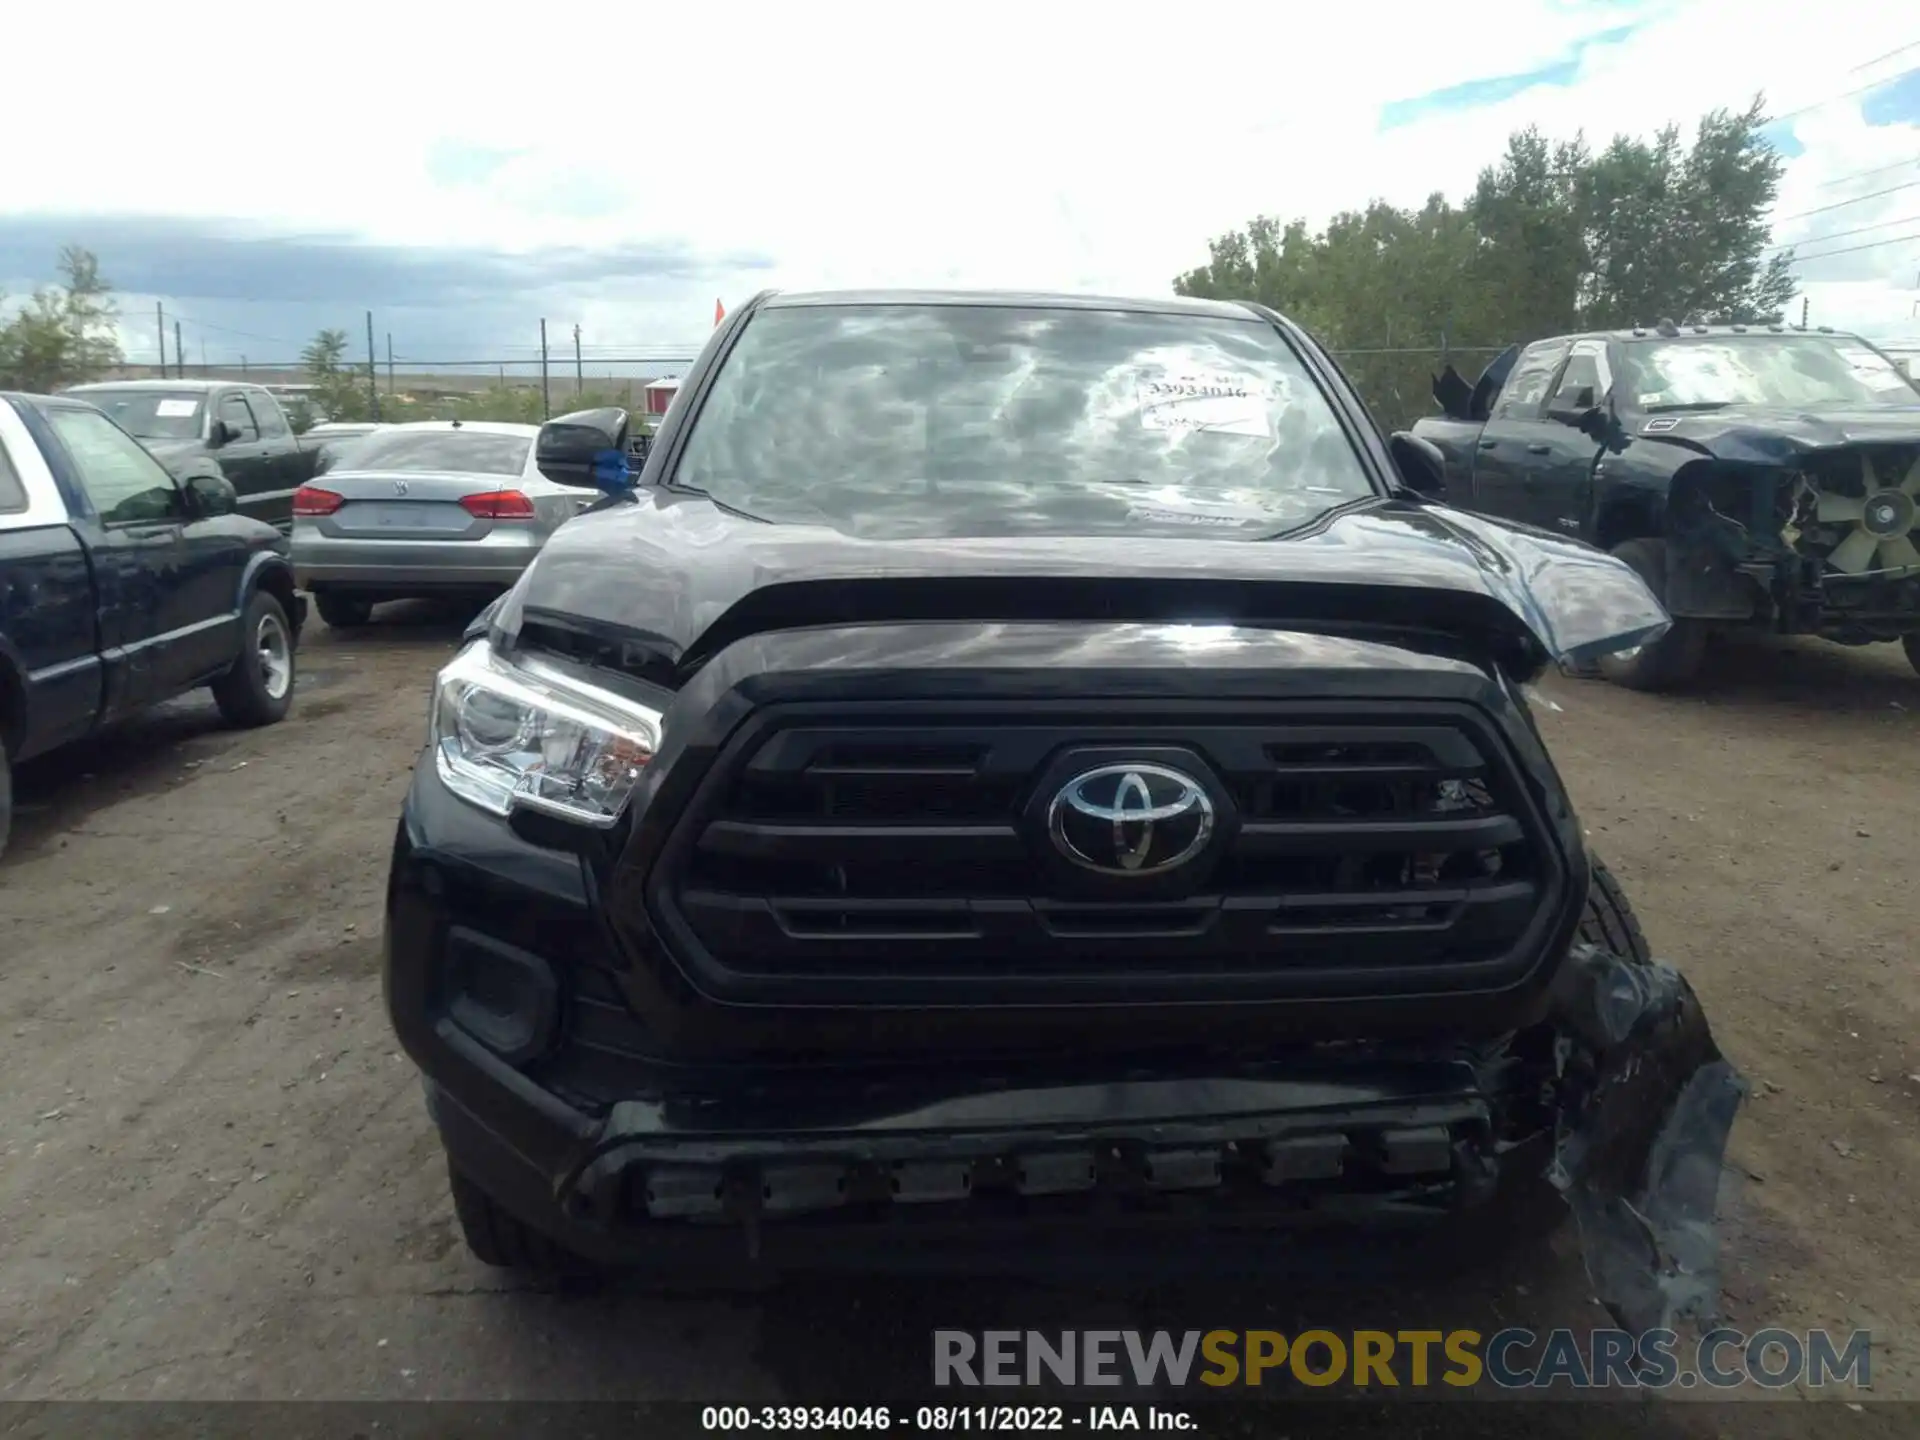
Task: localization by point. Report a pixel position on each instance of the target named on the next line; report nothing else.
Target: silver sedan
(443, 507)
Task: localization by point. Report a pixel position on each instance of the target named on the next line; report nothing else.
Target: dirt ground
(217, 1180)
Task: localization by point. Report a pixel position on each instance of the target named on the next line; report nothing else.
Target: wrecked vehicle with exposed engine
(1015, 774)
(1754, 476)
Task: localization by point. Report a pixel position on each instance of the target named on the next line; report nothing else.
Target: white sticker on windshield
(1213, 404)
(176, 407)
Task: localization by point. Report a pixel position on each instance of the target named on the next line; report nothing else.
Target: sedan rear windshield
(469, 452)
(151, 414)
(936, 420)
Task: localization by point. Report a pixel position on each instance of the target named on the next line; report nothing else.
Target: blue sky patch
(1492, 89)
(1895, 103)
(457, 162)
(1780, 135)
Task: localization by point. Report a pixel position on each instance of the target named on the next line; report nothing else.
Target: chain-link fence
(1395, 381)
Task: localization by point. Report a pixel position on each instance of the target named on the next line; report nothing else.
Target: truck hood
(684, 578)
(1753, 435)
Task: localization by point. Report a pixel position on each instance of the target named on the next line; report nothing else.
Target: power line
(1835, 99)
(1862, 174)
(1899, 50)
(1856, 200)
(1855, 249)
(1843, 234)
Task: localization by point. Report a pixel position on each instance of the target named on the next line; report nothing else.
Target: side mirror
(1579, 412)
(218, 433)
(587, 449)
(212, 495)
(1422, 467)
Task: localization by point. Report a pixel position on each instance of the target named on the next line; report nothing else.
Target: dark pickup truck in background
(121, 587)
(198, 427)
(1755, 476)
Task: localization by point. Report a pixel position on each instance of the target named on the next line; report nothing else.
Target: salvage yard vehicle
(1019, 772)
(1755, 476)
(434, 508)
(121, 587)
(199, 427)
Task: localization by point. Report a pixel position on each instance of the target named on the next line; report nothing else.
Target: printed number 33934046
(1193, 389)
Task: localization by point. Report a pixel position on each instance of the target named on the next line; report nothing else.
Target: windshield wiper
(1696, 406)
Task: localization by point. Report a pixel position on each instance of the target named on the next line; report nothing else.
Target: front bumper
(496, 559)
(1020, 1164)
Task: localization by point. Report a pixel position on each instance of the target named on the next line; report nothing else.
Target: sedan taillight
(315, 500)
(498, 505)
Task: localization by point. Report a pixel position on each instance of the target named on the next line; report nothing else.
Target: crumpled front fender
(1638, 1155)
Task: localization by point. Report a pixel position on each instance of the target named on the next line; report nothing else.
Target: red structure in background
(659, 395)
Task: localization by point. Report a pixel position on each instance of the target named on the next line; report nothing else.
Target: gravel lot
(217, 1180)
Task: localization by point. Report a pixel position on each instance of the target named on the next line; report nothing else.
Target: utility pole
(1803, 311)
(243, 367)
(373, 375)
(179, 353)
(546, 397)
(389, 362)
(204, 371)
(579, 375)
(160, 319)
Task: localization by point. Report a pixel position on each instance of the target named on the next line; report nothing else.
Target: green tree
(1554, 238)
(62, 334)
(339, 391)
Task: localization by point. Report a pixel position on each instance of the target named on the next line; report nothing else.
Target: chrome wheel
(276, 656)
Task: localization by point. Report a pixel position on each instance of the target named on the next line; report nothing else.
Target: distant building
(659, 395)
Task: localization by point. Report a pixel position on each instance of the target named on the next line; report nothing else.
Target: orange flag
(718, 314)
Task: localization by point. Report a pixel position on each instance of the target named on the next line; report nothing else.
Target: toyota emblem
(1131, 818)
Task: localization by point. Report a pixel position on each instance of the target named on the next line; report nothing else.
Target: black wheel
(259, 688)
(1673, 659)
(499, 1238)
(1609, 922)
(6, 795)
(342, 612)
(1911, 644)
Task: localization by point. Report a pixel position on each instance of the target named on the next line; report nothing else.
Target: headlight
(508, 735)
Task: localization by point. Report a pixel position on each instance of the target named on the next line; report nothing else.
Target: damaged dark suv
(1018, 771)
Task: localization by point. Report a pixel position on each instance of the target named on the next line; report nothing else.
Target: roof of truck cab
(1641, 333)
(159, 385)
(1018, 299)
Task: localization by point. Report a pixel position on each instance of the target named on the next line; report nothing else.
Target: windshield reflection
(948, 420)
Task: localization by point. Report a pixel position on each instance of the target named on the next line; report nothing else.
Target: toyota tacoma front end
(1018, 771)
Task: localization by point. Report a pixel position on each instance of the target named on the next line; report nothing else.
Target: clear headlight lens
(507, 735)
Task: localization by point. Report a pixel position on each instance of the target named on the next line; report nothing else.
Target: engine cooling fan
(1883, 523)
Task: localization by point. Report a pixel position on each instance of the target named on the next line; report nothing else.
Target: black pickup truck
(1024, 775)
(199, 427)
(1754, 476)
(121, 587)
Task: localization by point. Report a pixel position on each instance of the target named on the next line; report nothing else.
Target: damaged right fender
(1640, 1147)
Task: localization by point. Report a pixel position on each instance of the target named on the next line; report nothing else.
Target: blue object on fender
(611, 472)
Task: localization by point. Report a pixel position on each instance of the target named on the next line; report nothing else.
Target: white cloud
(1050, 144)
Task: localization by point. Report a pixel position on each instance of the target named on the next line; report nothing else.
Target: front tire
(1674, 659)
(258, 690)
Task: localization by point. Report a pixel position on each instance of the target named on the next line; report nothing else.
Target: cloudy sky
(463, 176)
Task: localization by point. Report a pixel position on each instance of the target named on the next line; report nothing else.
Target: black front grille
(886, 855)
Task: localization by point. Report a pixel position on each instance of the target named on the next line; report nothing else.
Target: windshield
(151, 414)
(955, 420)
(1793, 371)
(472, 452)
